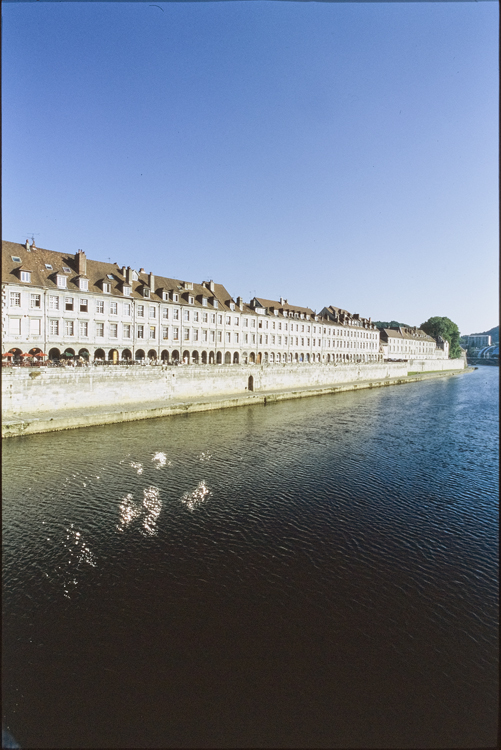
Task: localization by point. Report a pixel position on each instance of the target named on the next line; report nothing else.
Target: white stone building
(412, 343)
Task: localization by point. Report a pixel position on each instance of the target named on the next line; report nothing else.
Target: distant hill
(389, 324)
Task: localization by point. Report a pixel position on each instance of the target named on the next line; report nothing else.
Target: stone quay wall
(33, 391)
(435, 365)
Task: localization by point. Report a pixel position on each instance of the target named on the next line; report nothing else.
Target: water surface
(320, 572)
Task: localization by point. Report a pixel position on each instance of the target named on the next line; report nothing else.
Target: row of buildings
(66, 305)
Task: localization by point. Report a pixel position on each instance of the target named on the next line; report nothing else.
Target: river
(319, 572)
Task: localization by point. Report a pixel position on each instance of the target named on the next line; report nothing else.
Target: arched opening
(266, 358)
(307, 357)
(272, 357)
(164, 355)
(250, 384)
(219, 358)
(139, 354)
(152, 354)
(204, 358)
(84, 354)
(16, 354)
(99, 355)
(113, 356)
(175, 357)
(252, 358)
(68, 354)
(245, 358)
(36, 352)
(227, 358)
(296, 357)
(186, 357)
(126, 355)
(195, 358)
(259, 358)
(211, 358)
(235, 358)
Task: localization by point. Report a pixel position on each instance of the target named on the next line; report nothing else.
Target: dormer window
(61, 281)
(16, 258)
(175, 297)
(26, 276)
(110, 276)
(215, 303)
(146, 292)
(106, 287)
(66, 269)
(191, 300)
(48, 267)
(127, 290)
(83, 285)
(165, 296)
(275, 312)
(134, 276)
(204, 301)
(232, 306)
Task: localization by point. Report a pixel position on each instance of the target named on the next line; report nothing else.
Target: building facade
(66, 305)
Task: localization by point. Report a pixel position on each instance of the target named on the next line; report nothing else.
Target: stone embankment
(47, 400)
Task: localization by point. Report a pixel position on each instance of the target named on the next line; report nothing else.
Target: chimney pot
(141, 270)
(27, 245)
(151, 281)
(81, 262)
(212, 286)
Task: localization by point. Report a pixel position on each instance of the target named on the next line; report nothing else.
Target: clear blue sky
(329, 153)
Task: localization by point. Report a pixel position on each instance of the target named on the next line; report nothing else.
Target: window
(127, 309)
(246, 322)
(126, 330)
(176, 334)
(191, 300)
(195, 317)
(106, 287)
(83, 285)
(220, 320)
(204, 301)
(204, 335)
(48, 266)
(260, 338)
(186, 334)
(114, 330)
(237, 321)
(273, 339)
(228, 337)
(165, 332)
(25, 276)
(235, 338)
(16, 258)
(280, 341)
(195, 334)
(266, 339)
(35, 326)
(140, 332)
(186, 315)
(127, 291)
(246, 340)
(253, 338)
(100, 330)
(109, 276)
(175, 297)
(100, 306)
(68, 303)
(165, 313)
(175, 314)
(53, 303)
(153, 332)
(274, 325)
(35, 300)
(113, 308)
(134, 276)
(232, 306)
(15, 326)
(140, 311)
(228, 320)
(205, 317)
(213, 336)
(84, 329)
(215, 303)
(220, 337)
(15, 299)
(54, 327)
(84, 305)
(70, 328)
(253, 323)
(66, 269)
(153, 312)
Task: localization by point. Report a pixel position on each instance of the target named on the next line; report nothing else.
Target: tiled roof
(404, 333)
(277, 305)
(96, 272)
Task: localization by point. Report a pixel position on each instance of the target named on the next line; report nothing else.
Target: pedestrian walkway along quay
(87, 412)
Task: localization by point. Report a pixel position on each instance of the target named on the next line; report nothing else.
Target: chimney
(212, 287)
(33, 246)
(240, 302)
(27, 245)
(81, 262)
(151, 281)
(129, 275)
(123, 271)
(141, 270)
(282, 301)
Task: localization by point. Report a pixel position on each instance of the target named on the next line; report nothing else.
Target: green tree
(448, 330)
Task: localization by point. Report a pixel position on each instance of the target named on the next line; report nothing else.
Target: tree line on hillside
(435, 327)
